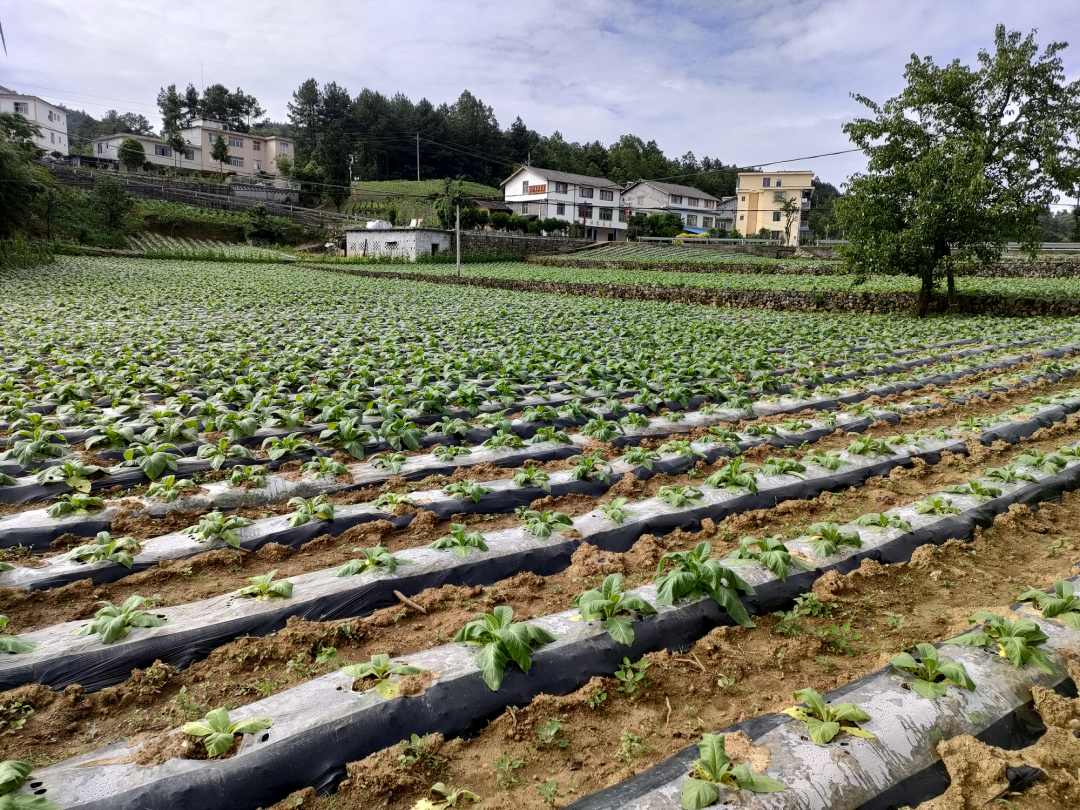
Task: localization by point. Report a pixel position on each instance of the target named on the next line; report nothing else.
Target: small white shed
(409, 243)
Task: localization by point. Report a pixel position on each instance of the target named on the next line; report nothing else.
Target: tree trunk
(922, 303)
(954, 305)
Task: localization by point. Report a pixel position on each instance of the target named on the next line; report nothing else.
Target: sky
(748, 83)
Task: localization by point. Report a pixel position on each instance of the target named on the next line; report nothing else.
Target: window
(775, 234)
(236, 142)
(560, 208)
(607, 214)
(524, 208)
(236, 161)
(22, 107)
(162, 151)
(775, 216)
(524, 186)
(692, 201)
(743, 198)
(189, 154)
(778, 182)
(766, 182)
(607, 195)
(706, 222)
(101, 148)
(778, 197)
(283, 148)
(52, 137)
(256, 146)
(676, 199)
(622, 215)
(741, 217)
(560, 188)
(258, 165)
(691, 220)
(584, 211)
(585, 192)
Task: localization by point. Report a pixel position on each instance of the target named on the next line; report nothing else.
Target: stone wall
(520, 244)
(777, 300)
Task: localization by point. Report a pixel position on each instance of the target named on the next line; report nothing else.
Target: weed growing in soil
(504, 771)
(631, 677)
(550, 733)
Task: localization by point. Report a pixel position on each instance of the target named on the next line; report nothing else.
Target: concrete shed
(409, 243)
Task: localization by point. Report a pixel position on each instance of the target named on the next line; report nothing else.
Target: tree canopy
(963, 161)
(235, 108)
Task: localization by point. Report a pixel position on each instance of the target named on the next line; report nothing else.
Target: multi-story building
(762, 199)
(249, 155)
(593, 202)
(51, 120)
(697, 208)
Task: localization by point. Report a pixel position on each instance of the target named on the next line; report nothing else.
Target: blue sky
(746, 82)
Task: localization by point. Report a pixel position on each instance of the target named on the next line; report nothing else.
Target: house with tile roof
(595, 203)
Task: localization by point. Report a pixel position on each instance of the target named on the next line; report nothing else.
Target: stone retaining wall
(521, 244)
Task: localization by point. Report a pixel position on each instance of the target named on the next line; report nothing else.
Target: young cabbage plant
(460, 541)
(1018, 641)
(824, 722)
(1048, 463)
(760, 431)
(502, 438)
(695, 573)
(544, 524)
(866, 446)
(323, 467)
(264, 587)
(502, 640)
(380, 668)
(218, 734)
(771, 553)
(280, 446)
(975, 488)
(827, 459)
(681, 496)
(614, 510)
(734, 476)
(1061, 604)
(117, 550)
(351, 435)
(932, 677)
(376, 558)
(608, 604)
(73, 473)
(1010, 474)
(827, 538)
(11, 644)
(783, 466)
(795, 425)
(112, 621)
(680, 447)
(550, 435)
(466, 489)
(216, 526)
(389, 501)
(445, 453)
(222, 451)
(401, 434)
(318, 508)
(878, 521)
(254, 474)
(530, 475)
(115, 436)
(635, 420)
(392, 462)
(12, 775)
(71, 505)
(640, 455)
(496, 421)
(601, 429)
(588, 467)
(153, 459)
(712, 772)
(539, 413)
(936, 505)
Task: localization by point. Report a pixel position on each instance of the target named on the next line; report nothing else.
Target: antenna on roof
(528, 158)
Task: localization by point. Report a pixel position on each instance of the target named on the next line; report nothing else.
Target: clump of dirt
(571, 505)
(589, 561)
(143, 527)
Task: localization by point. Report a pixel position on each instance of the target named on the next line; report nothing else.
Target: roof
(492, 204)
(783, 171)
(565, 177)
(151, 138)
(673, 188)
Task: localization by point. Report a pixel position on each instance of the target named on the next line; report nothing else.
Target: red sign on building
(538, 189)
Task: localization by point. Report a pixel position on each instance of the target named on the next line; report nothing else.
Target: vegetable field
(273, 537)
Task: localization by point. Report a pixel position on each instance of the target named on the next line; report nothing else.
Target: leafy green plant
(601, 429)
(351, 435)
(713, 770)
(264, 587)
(975, 488)
(391, 500)
(544, 524)
(1062, 603)
(504, 771)
(1018, 641)
(839, 638)
(73, 473)
(695, 573)
(112, 621)
(1049, 463)
(168, 488)
(318, 507)
(635, 420)
(449, 798)
(460, 541)
(681, 496)
(680, 447)
(877, 521)
(380, 668)
(106, 547)
(466, 489)
(253, 474)
(401, 434)
(392, 462)
(218, 733)
(936, 505)
(770, 552)
(827, 538)
(223, 450)
(502, 438)
(502, 640)
(866, 446)
(588, 467)
(280, 446)
(12, 775)
(550, 733)
(216, 526)
(323, 467)
(1009, 474)
(13, 645)
(932, 677)
(153, 458)
(448, 453)
(550, 435)
(39, 443)
(608, 604)
(735, 475)
(824, 722)
(76, 504)
(374, 559)
(783, 466)
(530, 475)
(828, 459)
(613, 510)
(640, 455)
(631, 676)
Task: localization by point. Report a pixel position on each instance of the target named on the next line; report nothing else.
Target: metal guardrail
(694, 240)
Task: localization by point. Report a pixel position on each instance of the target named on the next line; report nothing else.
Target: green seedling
(73, 473)
(936, 505)
(1010, 474)
(1061, 604)
(975, 488)
(448, 453)
(401, 434)
(878, 521)
(695, 574)
(318, 508)
(827, 538)
(1049, 463)
(550, 733)
(168, 488)
(608, 605)
(216, 526)
(828, 459)
(587, 468)
(601, 429)
(544, 524)
(865, 446)
(614, 510)
(152, 458)
(218, 733)
(932, 677)
(502, 640)
(532, 476)
(389, 501)
(631, 676)
(466, 489)
(635, 420)
(264, 587)
(680, 447)
(1018, 641)
(118, 550)
(824, 722)
(351, 435)
(783, 466)
(323, 467)
(713, 771)
(13, 645)
(504, 771)
(112, 622)
(640, 455)
(460, 541)
(380, 668)
(78, 504)
(376, 558)
(771, 553)
(222, 451)
(391, 462)
(681, 496)
(550, 435)
(502, 438)
(734, 476)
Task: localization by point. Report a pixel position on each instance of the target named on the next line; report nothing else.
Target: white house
(699, 210)
(51, 120)
(594, 202)
(396, 243)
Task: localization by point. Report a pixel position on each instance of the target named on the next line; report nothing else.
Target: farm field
(965, 285)
(156, 245)
(668, 253)
(300, 472)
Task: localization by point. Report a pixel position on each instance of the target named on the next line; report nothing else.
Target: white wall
(52, 121)
(395, 242)
(545, 204)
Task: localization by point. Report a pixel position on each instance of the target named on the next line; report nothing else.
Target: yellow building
(760, 200)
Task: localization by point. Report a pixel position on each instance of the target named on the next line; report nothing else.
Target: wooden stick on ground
(407, 601)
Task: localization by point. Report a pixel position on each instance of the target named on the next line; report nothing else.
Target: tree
(177, 144)
(17, 184)
(304, 118)
(171, 107)
(219, 152)
(790, 209)
(112, 202)
(131, 154)
(961, 162)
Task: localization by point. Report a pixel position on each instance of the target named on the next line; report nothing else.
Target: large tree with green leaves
(219, 152)
(963, 161)
(131, 154)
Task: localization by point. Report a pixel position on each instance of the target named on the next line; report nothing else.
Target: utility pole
(418, 157)
(457, 239)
